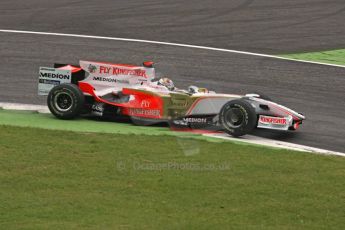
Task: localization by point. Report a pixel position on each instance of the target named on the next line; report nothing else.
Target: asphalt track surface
(265, 26)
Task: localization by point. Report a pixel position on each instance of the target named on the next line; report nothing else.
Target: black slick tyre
(66, 101)
(238, 117)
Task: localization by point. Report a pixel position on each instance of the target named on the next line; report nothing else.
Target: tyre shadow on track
(263, 133)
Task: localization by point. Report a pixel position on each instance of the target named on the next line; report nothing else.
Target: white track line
(247, 138)
(275, 144)
(168, 44)
(24, 107)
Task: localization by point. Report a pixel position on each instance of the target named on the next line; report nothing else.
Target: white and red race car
(121, 90)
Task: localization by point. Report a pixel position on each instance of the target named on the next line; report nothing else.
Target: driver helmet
(169, 84)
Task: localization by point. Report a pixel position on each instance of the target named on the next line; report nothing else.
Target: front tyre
(66, 101)
(238, 117)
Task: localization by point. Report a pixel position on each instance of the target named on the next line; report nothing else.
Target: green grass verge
(330, 57)
(66, 180)
(48, 121)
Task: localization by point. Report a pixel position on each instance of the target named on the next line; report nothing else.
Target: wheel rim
(63, 101)
(234, 117)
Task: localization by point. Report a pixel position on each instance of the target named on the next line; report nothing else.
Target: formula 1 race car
(118, 90)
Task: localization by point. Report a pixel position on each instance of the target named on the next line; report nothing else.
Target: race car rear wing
(60, 74)
(94, 73)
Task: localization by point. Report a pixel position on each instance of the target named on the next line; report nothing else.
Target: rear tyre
(238, 117)
(66, 101)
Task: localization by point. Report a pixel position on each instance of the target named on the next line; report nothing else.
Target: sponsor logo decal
(104, 79)
(50, 77)
(180, 103)
(122, 81)
(122, 71)
(145, 104)
(180, 122)
(92, 68)
(187, 120)
(195, 120)
(144, 112)
(55, 76)
(107, 79)
(273, 120)
(97, 109)
(46, 81)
